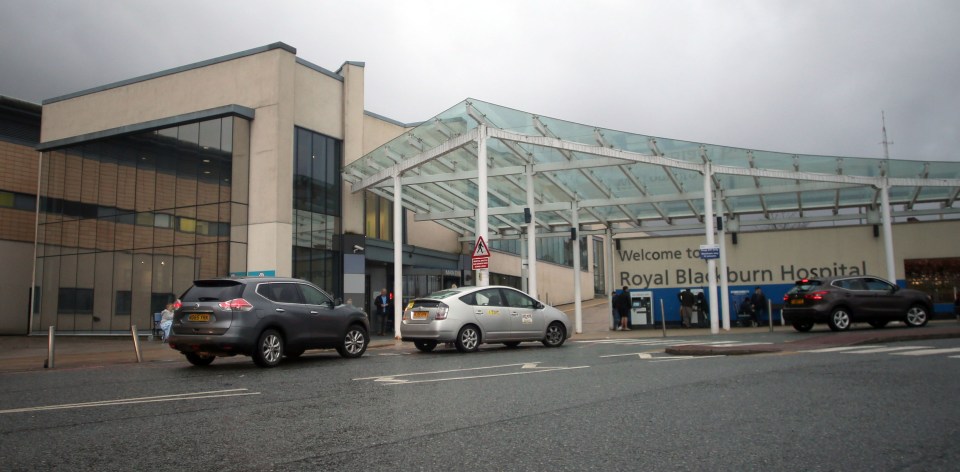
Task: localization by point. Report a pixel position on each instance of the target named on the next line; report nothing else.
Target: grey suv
(841, 301)
(265, 318)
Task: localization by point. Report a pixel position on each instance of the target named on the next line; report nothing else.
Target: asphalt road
(586, 406)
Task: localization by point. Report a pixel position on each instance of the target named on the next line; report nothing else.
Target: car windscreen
(803, 286)
(441, 294)
(213, 291)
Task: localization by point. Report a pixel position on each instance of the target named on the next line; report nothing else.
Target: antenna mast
(886, 144)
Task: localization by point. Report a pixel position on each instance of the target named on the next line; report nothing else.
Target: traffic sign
(709, 251)
(480, 249)
(480, 263)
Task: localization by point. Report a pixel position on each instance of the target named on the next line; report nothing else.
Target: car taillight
(786, 297)
(815, 295)
(236, 304)
(177, 304)
(442, 310)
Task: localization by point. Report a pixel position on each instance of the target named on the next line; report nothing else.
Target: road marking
(525, 368)
(880, 350)
(929, 352)
(680, 358)
(235, 392)
(840, 349)
(642, 355)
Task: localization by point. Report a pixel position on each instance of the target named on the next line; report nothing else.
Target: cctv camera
(357, 248)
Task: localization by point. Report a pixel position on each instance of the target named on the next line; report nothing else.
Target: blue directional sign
(709, 251)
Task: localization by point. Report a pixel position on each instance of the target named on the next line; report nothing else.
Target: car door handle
(514, 313)
(314, 312)
(280, 310)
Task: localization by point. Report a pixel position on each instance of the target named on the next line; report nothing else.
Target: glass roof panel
(640, 180)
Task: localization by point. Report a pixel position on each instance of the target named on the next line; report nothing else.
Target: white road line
(642, 355)
(881, 350)
(840, 349)
(680, 358)
(132, 401)
(394, 381)
(522, 365)
(928, 352)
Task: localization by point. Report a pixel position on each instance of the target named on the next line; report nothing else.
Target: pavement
(29, 353)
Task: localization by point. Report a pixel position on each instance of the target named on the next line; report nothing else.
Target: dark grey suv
(264, 318)
(841, 301)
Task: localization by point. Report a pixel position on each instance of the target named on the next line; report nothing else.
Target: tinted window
(804, 286)
(312, 296)
(488, 297)
(210, 291)
(518, 300)
(280, 292)
(877, 284)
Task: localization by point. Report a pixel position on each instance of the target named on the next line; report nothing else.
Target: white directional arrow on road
(456, 374)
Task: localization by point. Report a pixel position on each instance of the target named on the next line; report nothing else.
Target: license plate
(198, 317)
(421, 315)
(796, 301)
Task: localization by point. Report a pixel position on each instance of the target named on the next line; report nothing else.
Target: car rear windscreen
(213, 290)
(804, 286)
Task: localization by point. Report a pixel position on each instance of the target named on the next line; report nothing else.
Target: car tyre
(878, 324)
(269, 349)
(425, 346)
(198, 360)
(840, 320)
(468, 339)
(916, 316)
(556, 335)
(354, 343)
(803, 327)
(512, 344)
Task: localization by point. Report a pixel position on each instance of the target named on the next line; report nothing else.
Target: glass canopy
(628, 181)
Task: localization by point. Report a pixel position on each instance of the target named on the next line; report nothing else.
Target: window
(75, 300)
(316, 208)
(280, 292)
(312, 296)
(877, 285)
(518, 300)
(378, 217)
(937, 277)
(124, 300)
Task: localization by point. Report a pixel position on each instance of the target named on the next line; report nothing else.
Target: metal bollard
(663, 318)
(770, 313)
(136, 342)
(51, 344)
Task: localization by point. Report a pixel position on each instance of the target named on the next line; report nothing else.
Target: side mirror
(538, 306)
(338, 301)
(895, 289)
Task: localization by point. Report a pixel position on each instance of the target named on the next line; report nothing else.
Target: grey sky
(803, 76)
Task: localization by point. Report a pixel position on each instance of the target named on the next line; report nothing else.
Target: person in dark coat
(623, 306)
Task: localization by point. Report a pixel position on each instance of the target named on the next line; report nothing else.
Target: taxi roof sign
(480, 249)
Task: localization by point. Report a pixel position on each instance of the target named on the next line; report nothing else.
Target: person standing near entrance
(382, 303)
(687, 300)
(615, 310)
(759, 302)
(623, 307)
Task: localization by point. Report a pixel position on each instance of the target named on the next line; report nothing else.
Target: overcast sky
(799, 76)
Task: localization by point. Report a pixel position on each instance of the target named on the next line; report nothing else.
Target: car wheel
(294, 353)
(354, 343)
(803, 327)
(839, 320)
(556, 335)
(878, 323)
(916, 316)
(511, 344)
(468, 339)
(425, 346)
(269, 349)
(197, 359)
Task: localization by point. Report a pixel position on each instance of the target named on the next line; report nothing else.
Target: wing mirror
(539, 306)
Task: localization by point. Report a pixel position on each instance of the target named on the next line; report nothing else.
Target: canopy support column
(887, 231)
(531, 237)
(711, 263)
(482, 277)
(608, 284)
(397, 255)
(724, 287)
(575, 234)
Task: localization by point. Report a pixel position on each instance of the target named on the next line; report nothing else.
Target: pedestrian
(687, 301)
(759, 302)
(166, 321)
(745, 316)
(382, 303)
(615, 310)
(623, 308)
(702, 309)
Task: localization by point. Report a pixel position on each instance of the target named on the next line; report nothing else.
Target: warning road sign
(480, 250)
